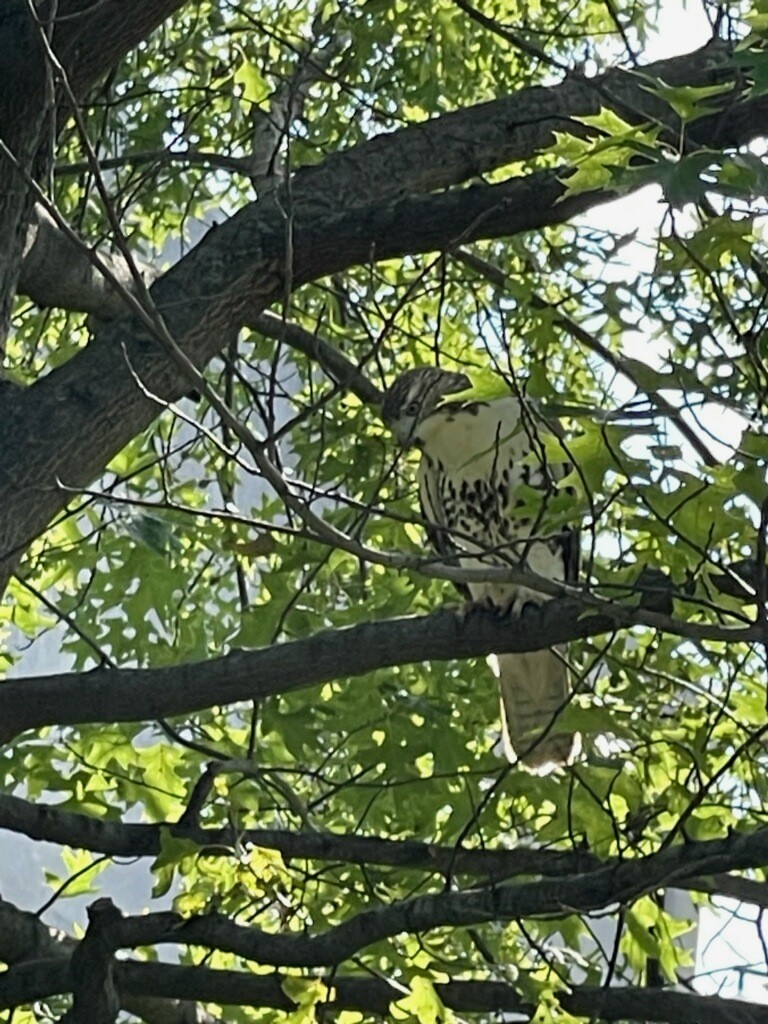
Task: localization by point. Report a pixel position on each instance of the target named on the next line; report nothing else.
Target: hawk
(477, 460)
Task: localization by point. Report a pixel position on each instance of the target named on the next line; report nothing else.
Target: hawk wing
(479, 462)
(435, 519)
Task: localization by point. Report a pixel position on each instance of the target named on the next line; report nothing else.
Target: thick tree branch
(133, 695)
(40, 956)
(460, 146)
(455, 147)
(734, 887)
(89, 39)
(56, 271)
(373, 995)
(95, 999)
(238, 270)
(45, 978)
(23, 936)
(119, 839)
(619, 883)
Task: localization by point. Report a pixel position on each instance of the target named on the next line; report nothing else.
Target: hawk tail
(534, 689)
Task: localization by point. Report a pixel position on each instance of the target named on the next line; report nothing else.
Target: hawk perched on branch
(476, 459)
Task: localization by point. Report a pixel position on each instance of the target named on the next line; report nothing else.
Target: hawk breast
(475, 459)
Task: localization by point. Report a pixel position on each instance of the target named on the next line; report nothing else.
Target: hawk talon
(525, 608)
(484, 604)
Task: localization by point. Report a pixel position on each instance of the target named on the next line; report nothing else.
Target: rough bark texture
(136, 695)
(66, 427)
(56, 271)
(25, 124)
(88, 39)
(359, 206)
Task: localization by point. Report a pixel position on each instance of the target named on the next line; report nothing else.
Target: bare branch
(336, 365)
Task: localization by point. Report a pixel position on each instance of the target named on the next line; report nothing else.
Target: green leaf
(82, 871)
(306, 993)
(689, 101)
(253, 87)
(154, 533)
(754, 62)
(549, 1011)
(422, 1004)
(174, 853)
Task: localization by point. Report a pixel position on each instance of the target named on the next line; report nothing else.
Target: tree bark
(88, 39)
(65, 428)
(136, 695)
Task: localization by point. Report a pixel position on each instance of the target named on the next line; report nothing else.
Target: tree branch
(374, 995)
(57, 272)
(118, 839)
(95, 999)
(134, 695)
(618, 883)
(238, 269)
(39, 960)
(89, 38)
(460, 146)
(45, 978)
(734, 887)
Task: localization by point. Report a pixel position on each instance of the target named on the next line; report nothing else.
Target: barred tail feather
(534, 689)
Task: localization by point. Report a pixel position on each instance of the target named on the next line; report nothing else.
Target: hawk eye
(412, 408)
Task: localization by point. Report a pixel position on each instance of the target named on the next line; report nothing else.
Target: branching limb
(39, 960)
(95, 998)
(29, 982)
(114, 838)
(619, 883)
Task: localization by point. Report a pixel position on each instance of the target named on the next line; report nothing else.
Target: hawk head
(415, 395)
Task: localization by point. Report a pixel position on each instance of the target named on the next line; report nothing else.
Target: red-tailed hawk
(476, 457)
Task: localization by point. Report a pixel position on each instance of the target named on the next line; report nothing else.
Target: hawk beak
(404, 432)
(451, 383)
